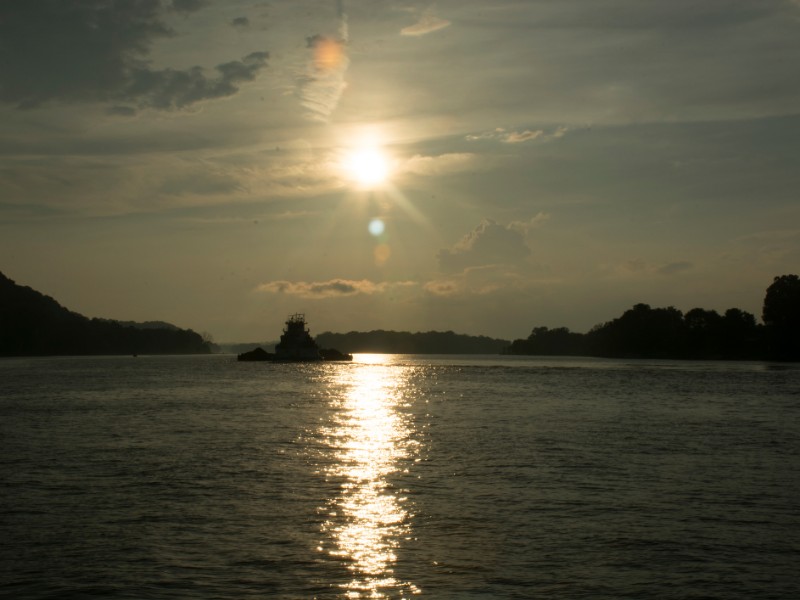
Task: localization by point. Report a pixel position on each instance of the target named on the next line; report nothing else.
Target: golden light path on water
(371, 440)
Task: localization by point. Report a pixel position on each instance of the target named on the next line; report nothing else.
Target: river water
(397, 477)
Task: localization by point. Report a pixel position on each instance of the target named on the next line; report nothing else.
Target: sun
(367, 167)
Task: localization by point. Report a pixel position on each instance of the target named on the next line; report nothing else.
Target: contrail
(343, 31)
(323, 84)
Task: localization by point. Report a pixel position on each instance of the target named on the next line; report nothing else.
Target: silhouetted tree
(703, 333)
(550, 342)
(645, 332)
(781, 316)
(641, 332)
(739, 335)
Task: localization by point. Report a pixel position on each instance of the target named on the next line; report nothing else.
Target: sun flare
(367, 167)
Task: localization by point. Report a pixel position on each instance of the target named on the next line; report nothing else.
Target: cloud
(170, 89)
(770, 236)
(517, 137)
(94, 50)
(334, 288)
(439, 165)
(172, 177)
(477, 281)
(637, 266)
(121, 111)
(524, 227)
(490, 243)
(774, 246)
(427, 23)
(186, 6)
(677, 14)
(673, 268)
(560, 132)
(486, 135)
(634, 265)
(443, 287)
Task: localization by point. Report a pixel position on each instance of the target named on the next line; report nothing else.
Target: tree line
(404, 342)
(645, 332)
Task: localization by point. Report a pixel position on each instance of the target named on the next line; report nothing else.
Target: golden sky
(459, 165)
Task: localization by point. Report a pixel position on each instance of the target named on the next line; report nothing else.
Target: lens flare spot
(329, 54)
(376, 227)
(382, 253)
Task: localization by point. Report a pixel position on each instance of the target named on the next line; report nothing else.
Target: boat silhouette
(295, 345)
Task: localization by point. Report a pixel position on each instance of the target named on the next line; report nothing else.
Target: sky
(480, 167)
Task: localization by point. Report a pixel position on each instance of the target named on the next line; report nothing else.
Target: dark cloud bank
(95, 50)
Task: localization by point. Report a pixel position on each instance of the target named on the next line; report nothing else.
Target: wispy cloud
(477, 281)
(770, 236)
(516, 137)
(443, 287)
(777, 245)
(427, 23)
(674, 268)
(439, 164)
(505, 136)
(639, 267)
(333, 288)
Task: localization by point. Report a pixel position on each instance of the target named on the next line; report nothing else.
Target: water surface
(398, 477)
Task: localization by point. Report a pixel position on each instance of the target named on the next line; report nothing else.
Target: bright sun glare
(367, 167)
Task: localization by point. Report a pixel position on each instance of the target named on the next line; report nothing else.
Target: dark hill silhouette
(145, 324)
(404, 342)
(32, 324)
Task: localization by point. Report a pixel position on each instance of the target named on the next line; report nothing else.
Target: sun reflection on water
(371, 440)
